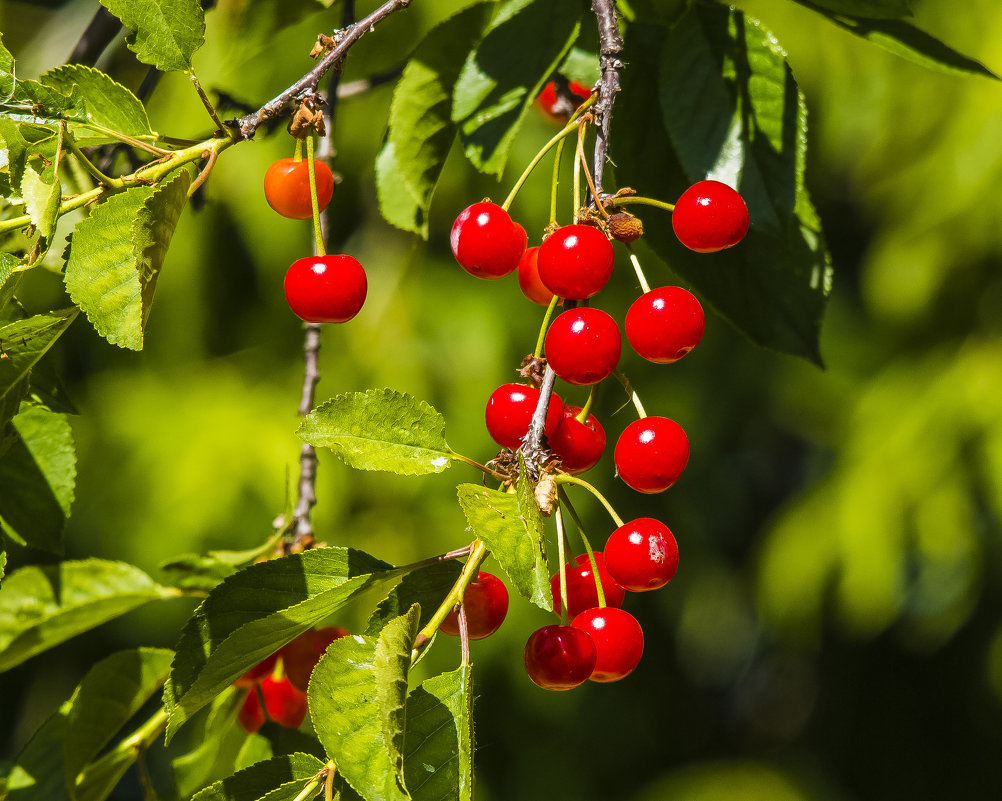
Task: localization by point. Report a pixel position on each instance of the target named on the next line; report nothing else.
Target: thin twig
(345, 38)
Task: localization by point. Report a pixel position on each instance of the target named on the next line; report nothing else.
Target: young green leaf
(108, 696)
(107, 103)
(6, 72)
(42, 606)
(166, 33)
(421, 129)
(380, 429)
(438, 761)
(512, 527)
(281, 778)
(426, 587)
(116, 254)
(194, 571)
(41, 201)
(254, 612)
(356, 697)
(24, 342)
(38, 473)
(500, 79)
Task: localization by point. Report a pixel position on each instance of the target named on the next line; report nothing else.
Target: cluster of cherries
(327, 288)
(277, 685)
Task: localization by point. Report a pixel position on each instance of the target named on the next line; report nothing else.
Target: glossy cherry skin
(326, 289)
(258, 672)
(302, 654)
(287, 187)
(581, 592)
(710, 216)
(486, 603)
(509, 412)
(559, 657)
(642, 555)
(579, 445)
(546, 101)
(618, 638)
(651, 454)
(583, 345)
(485, 241)
(576, 261)
(528, 278)
(663, 325)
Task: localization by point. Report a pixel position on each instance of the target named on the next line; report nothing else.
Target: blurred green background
(835, 627)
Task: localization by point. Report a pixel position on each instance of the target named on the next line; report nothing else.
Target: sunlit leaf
(24, 342)
(107, 103)
(166, 33)
(41, 201)
(281, 778)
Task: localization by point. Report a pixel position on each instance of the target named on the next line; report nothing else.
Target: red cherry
(509, 412)
(528, 278)
(546, 101)
(665, 324)
(559, 657)
(581, 592)
(618, 638)
(287, 187)
(325, 289)
(651, 454)
(251, 716)
(486, 242)
(258, 672)
(576, 261)
(284, 703)
(642, 554)
(579, 445)
(710, 216)
(486, 603)
(583, 345)
(300, 656)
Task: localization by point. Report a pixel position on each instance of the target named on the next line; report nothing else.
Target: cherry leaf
(166, 33)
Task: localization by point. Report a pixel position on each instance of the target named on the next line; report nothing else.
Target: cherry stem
(582, 416)
(298, 154)
(622, 379)
(546, 324)
(318, 233)
(478, 552)
(481, 467)
(561, 555)
(208, 105)
(626, 200)
(587, 173)
(636, 266)
(587, 545)
(330, 771)
(568, 129)
(84, 161)
(310, 790)
(576, 186)
(555, 180)
(444, 557)
(464, 636)
(563, 478)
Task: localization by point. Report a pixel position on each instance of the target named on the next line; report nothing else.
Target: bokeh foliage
(833, 630)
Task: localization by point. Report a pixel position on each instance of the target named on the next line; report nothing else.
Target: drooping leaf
(37, 479)
(254, 612)
(43, 606)
(357, 697)
(427, 587)
(421, 129)
(109, 695)
(166, 33)
(874, 9)
(748, 132)
(116, 254)
(24, 342)
(107, 103)
(511, 526)
(278, 779)
(527, 40)
(41, 201)
(439, 755)
(380, 429)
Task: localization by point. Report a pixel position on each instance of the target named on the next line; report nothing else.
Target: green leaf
(511, 526)
(10, 404)
(116, 254)
(106, 102)
(439, 756)
(218, 744)
(6, 71)
(3, 564)
(24, 342)
(427, 587)
(905, 40)
(98, 779)
(38, 774)
(421, 129)
(37, 479)
(193, 571)
(41, 201)
(380, 429)
(13, 157)
(357, 697)
(41, 606)
(109, 695)
(282, 777)
(255, 612)
(166, 33)
(748, 130)
(874, 9)
(11, 270)
(500, 79)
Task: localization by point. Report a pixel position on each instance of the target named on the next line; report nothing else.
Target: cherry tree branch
(344, 39)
